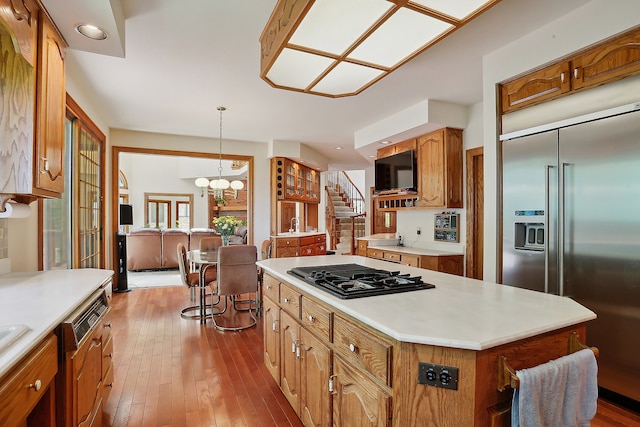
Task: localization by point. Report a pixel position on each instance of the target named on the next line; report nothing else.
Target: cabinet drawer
(375, 253)
(271, 288)
(106, 325)
(308, 250)
(412, 260)
(392, 256)
(307, 240)
(321, 239)
(24, 388)
(107, 355)
(363, 348)
(283, 243)
(316, 318)
(362, 245)
(107, 383)
(290, 300)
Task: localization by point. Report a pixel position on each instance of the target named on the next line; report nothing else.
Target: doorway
(475, 213)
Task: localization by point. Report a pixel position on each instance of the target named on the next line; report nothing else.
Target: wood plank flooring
(175, 372)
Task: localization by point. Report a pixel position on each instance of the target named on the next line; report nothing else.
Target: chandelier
(219, 185)
(338, 48)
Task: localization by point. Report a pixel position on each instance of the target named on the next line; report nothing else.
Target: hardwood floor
(175, 372)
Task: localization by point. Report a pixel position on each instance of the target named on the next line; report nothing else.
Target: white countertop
(42, 300)
(413, 251)
(459, 312)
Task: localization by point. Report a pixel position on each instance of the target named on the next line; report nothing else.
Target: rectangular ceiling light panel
(346, 78)
(297, 69)
(334, 25)
(458, 9)
(400, 36)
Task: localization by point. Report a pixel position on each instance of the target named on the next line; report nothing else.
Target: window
(72, 227)
(162, 208)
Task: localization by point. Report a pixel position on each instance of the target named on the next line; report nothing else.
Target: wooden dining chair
(191, 279)
(237, 275)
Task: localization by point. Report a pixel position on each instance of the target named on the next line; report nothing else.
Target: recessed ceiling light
(338, 148)
(385, 142)
(372, 156)
(92, 32)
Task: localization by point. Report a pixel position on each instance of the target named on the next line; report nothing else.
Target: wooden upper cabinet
(608, 61)
(390, 150)
(50, 112)
(21, 17)
(539, 86)
(613, 60)
(439, 164)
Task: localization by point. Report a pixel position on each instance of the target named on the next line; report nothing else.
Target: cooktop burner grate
(347, 281)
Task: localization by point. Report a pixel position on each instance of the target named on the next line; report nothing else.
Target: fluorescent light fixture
(338, 48)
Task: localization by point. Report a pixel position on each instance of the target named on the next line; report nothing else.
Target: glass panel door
(88, 220)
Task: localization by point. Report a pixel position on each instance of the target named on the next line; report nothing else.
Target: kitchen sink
(10, 334)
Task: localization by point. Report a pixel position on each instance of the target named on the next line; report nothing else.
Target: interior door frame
(475, 215)
(115, 170)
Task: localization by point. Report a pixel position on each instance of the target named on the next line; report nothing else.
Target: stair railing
(340, 182)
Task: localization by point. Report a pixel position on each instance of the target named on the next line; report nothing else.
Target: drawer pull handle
(110, 385)
(311, 318)
(353, 348)
(268, 287)
(36, 385)
(286, 300)
(274, 326)
(110, 355)
(332, 388)
(107, 325)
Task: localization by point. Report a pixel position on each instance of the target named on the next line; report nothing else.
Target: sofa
(154, 249)
(239, 236)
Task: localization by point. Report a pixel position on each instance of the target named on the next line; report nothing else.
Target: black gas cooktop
(347, 281)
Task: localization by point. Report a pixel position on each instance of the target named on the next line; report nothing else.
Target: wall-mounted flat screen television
(396, 172)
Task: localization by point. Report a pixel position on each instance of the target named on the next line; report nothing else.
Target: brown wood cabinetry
(358, 400)
(439, 165)
(449, 263)
(51, 98)
(296, 182)
(21, 18)
(306, 336)
(608, 61)
(35, 101)
(285, 246)
(440, 169)
(400, 147)
(332, 360)
(543, 85)
(26, 395)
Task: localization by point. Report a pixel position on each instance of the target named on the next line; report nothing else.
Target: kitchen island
(426, 357)
(34, 305)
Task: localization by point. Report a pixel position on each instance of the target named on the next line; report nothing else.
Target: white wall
(596, 20)
(261, 209)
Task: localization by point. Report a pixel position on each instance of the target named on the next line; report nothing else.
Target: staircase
(345, 214)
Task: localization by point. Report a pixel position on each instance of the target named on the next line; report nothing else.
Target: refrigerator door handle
(547, 172)
(561, 228)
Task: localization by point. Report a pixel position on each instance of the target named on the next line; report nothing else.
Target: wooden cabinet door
(315, 370)
(289, 359)
(440, 169)
(271, 338)
(357, 400)
(539, 86)
(87, 378)
(606, 62)
(21, 17)
(51, 97)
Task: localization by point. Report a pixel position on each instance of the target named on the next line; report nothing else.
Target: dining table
(204, 261)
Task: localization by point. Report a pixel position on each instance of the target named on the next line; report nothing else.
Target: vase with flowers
(225, 226)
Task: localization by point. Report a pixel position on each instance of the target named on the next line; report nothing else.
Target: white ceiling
(173, 62)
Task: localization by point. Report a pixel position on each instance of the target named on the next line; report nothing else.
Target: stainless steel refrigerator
(571, 226)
